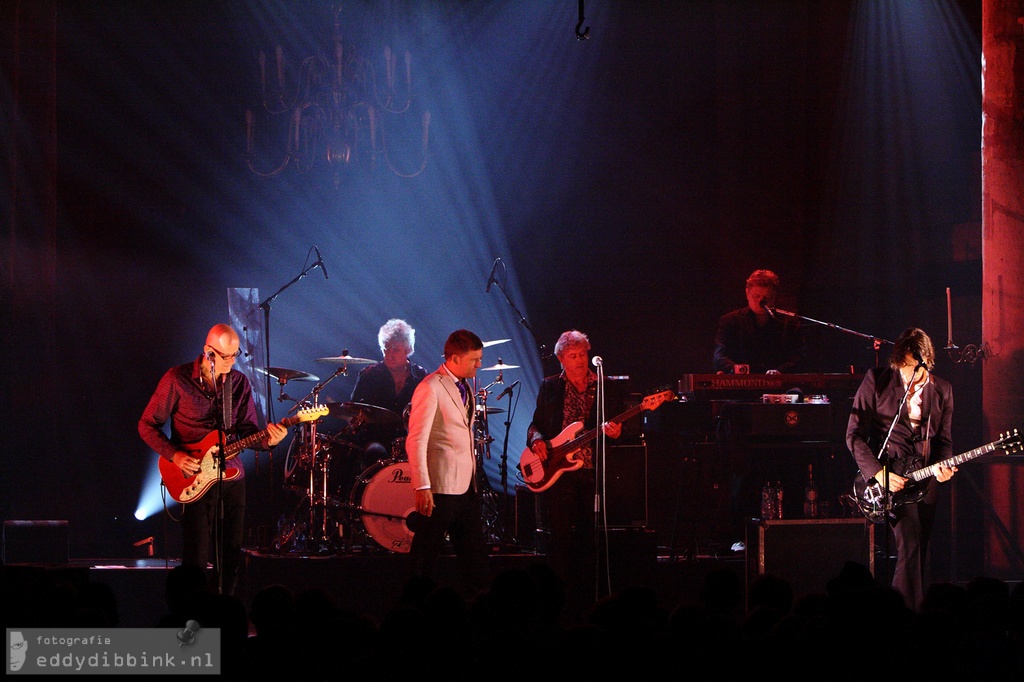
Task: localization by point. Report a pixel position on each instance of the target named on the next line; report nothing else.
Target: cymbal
(346, 359)
(283, 375)
(499, 366)
(362, 413)
(487, 344)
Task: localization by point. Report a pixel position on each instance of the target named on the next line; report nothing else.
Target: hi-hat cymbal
(488, 344)
(346, 359)
(284, 375)
(362, 413)
(499, 366)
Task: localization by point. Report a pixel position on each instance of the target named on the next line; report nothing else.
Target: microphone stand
(503, 469)
(544, 355)
(876, 341)
(265, 307)
(218, 523)
(883, 458)
(600, 510)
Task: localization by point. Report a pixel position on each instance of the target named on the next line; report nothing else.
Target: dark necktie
(463, 390)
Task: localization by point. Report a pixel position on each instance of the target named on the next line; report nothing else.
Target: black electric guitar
(185, 488)
(871, 498)
(540, 474)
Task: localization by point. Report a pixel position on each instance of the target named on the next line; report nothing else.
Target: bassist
(921, 435)
(195, 399)
(563, 399)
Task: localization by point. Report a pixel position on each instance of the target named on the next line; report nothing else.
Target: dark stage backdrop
(629, 183)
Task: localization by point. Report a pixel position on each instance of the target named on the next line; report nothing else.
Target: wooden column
(1003, 273)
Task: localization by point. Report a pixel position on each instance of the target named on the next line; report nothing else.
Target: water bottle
(811, 495)
(778, 500)
(769, 502)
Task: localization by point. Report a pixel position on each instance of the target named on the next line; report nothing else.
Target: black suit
(569, 503)
(874, 407)
(779, 344)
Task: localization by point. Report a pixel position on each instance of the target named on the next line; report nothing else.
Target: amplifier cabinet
(626, 491)
(808, 552)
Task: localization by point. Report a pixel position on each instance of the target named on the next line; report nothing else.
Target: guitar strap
(226, 400)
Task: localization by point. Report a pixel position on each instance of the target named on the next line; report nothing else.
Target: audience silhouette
(972, 631)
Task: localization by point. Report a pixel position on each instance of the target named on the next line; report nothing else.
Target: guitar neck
(591, 434)
(932, 469)
(232, 449)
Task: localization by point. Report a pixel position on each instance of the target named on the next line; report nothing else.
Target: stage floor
(365, 583)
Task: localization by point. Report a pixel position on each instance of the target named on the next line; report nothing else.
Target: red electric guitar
(184, 488)
(540, 475)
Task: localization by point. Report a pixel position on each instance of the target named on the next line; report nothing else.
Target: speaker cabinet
(36, 542)
(808, 552)
(626, 491)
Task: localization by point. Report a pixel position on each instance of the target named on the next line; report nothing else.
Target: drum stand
(490, 499)
(318, 532)
(311, 527)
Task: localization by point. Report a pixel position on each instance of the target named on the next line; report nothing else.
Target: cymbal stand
(321, 528)
(490, 506)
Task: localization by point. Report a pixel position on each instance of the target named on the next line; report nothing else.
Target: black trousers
(459, 518)
(569, 508)
(199, 527)
(911, 531)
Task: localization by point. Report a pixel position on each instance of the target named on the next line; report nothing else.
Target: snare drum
(384, 498)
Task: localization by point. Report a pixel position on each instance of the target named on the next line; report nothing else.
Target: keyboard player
(753, 339)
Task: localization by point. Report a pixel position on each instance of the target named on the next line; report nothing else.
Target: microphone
(320, 262)
(209, 355)
(491, 280)
(764, 304)
(920, 361)
(597, 361)
(508, 391)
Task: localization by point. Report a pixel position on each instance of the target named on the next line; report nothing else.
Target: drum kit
(354, 492)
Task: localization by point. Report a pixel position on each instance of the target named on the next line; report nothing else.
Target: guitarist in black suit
(920, 436)
(563, 399)
(195, 399)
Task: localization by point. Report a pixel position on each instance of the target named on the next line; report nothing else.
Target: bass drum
(383, 497)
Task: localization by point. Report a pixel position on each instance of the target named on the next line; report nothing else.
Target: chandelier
(336, 114)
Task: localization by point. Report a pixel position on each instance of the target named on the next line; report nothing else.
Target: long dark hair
(914, 342)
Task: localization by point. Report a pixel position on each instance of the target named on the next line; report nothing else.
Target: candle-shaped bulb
(949, 319)
(248, 130)
(371, 114)
(279, 53)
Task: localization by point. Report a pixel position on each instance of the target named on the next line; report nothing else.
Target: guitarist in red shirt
(563, 399)
(197, 399)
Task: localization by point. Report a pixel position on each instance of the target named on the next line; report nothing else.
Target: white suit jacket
(440, 439)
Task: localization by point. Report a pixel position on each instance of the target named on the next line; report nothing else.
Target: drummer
(390, 383)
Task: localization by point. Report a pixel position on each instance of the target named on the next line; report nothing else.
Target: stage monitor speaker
(36, 542)
(626, 491)
(808, 552)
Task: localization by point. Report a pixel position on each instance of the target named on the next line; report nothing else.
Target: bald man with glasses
(208, 395)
